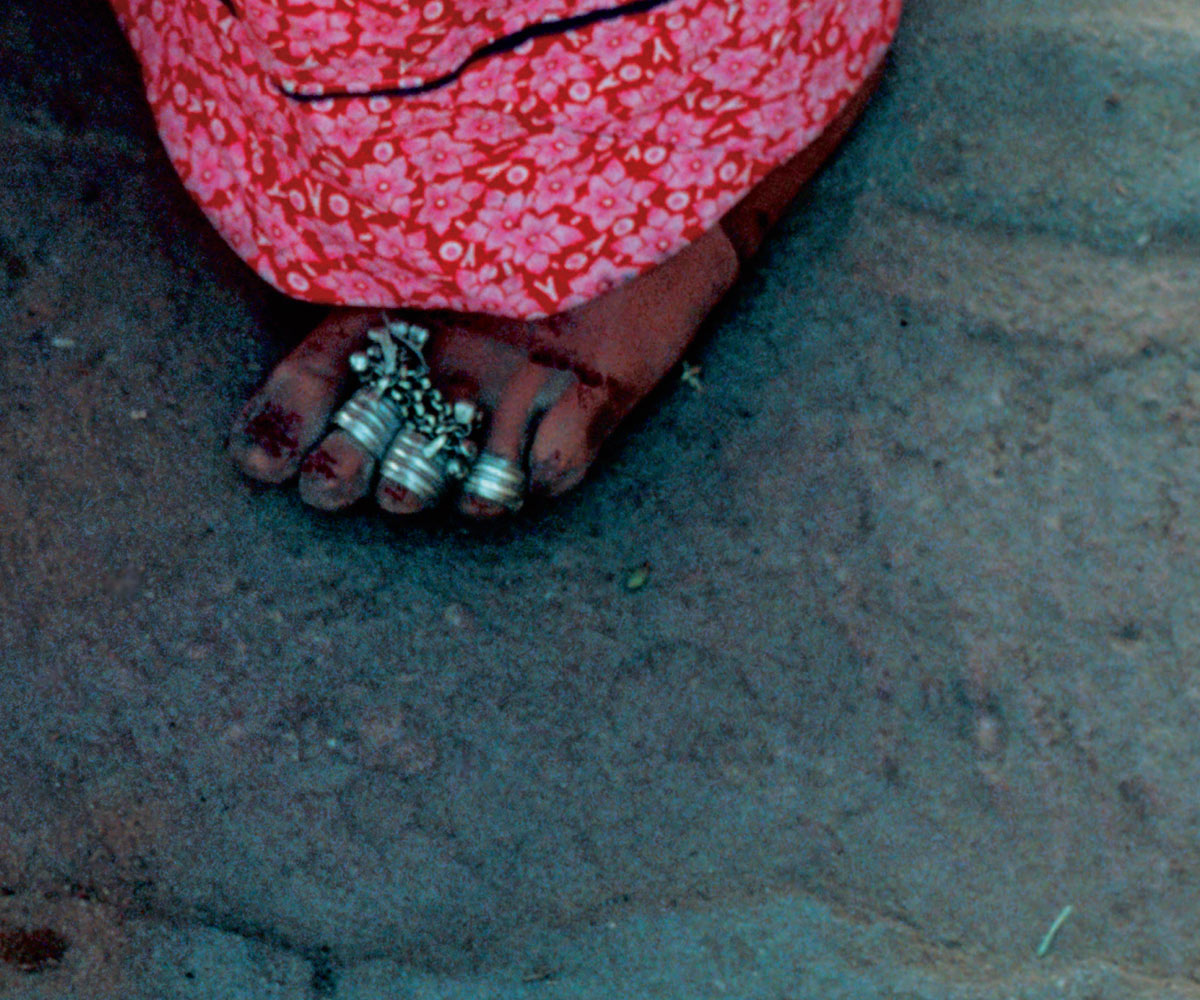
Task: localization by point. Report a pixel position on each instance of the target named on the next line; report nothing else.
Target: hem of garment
(336, 285)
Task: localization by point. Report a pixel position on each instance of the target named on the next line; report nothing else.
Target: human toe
(495, 484)
(268, 436)
(336, 473)
(565, 442)
(287, 416)
(414, 474)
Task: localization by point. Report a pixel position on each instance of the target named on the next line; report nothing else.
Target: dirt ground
(914, 668)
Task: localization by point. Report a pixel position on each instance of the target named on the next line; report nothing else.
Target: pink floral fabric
(386, 153)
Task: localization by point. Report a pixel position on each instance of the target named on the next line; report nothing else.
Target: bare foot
(552, 390)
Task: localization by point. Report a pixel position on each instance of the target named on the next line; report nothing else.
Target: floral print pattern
(531, 181)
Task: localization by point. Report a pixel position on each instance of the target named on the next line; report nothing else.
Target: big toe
(566, 441)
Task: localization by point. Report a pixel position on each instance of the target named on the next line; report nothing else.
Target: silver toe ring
(497, 480)
(423, 466)
(398, 404)
(371, 419)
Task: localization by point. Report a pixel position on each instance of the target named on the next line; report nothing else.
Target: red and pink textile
(514, 158)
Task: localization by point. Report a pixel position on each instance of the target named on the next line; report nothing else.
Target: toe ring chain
(399, 417)
(421, 439)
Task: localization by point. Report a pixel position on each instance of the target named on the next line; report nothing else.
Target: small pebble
(138, 414)
(62, 342)
(988, 737)
(457, 616)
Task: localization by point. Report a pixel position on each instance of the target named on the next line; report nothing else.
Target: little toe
(289, 413)
(270, 434)
(336, 474)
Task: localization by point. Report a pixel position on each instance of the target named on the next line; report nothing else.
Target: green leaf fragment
(638, 577)
(1052, 933)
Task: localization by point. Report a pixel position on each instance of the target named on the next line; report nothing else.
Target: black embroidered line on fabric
(505, 44)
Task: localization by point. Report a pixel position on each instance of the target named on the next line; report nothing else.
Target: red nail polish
(320, 463)
(273, 429)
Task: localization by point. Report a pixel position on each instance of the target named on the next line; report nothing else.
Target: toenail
(399, 499)
(477, 507)
(555, 475)
(548, 470)
(320, 463)
(273, 429)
